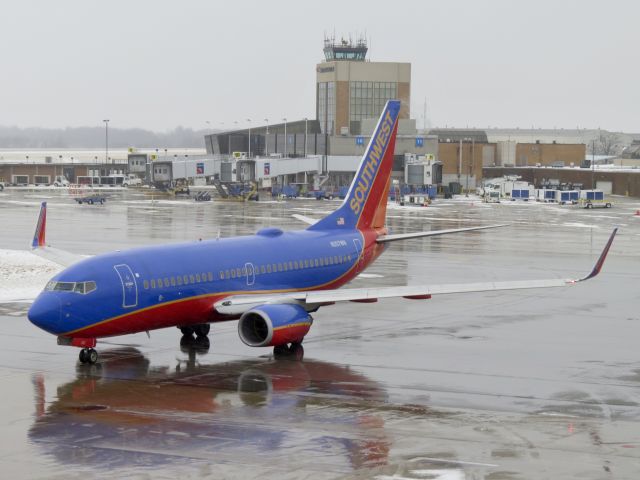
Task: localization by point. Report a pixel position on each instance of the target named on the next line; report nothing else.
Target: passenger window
(153, 283)
(349, 257)
(233, 273)
(221, 275)
(185, 279)
(204, 276)
(173, 281)
(315, 262)
(146, 284)
(238, 272)
(159, 283)
(210, 276)
(279, 267)
(295, 265)
(192, 279)
(226, 274)
(285, 267)
(262, 269)
(244, 271)
(335, 260)
(322, 262)
(166, 281)
(306, 264)
(197, 278)
(274, 267)
(268, 268)
(290, 265)
(179, 279)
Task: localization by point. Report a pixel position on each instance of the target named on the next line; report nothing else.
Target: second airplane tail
(365, 206)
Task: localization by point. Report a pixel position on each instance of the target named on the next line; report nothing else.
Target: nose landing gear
(88, 355)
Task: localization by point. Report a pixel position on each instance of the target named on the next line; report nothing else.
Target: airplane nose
(45, 313)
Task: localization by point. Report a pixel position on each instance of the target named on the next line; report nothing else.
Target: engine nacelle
(273, 325)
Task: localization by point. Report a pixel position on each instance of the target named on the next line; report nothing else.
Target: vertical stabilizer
(41, 227)
(365, 206)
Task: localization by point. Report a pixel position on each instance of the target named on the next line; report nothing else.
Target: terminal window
(326, 106)
(367, 99)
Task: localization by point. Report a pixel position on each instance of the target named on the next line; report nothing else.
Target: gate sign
(267, 169)
(419, 142)
(200, 169)
(359, 140)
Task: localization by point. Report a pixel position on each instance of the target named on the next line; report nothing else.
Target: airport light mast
(106, 140)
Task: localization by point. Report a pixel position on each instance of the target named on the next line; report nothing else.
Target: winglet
(41, 226)
(601, 259)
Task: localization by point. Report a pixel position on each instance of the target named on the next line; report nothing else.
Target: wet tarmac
(510, 385)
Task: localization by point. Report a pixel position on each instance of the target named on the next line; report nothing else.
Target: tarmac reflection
(127, 410)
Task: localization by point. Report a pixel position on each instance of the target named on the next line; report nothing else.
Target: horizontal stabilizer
(302, 218)
(431, 233)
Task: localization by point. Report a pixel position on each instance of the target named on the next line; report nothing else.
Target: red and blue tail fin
(365, 206)
(41, 227)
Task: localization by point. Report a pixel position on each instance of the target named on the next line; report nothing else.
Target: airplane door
(129, 286)
(358, 245)
(251, 274)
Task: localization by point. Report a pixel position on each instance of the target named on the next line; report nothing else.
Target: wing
(311, 300)
(40, 248)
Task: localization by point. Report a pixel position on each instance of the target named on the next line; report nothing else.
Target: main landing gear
(293, 351)
(201, 330)
(88, 355)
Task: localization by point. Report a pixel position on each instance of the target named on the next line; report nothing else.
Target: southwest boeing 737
(270, 281)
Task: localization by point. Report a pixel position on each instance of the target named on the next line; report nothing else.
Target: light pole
(266, 139)
(249, 120)
(106, 140)
(285, 137)
(305, 136)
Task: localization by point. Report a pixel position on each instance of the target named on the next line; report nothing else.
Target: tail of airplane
(365, 206)
(41, 227)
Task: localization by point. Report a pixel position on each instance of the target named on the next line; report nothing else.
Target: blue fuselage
(158, 286)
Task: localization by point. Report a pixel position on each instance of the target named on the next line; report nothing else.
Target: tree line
(94, 137)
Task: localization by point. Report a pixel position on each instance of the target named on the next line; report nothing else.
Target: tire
(186, 331)
(589, 205)
(90, 202)
(83, 357)
(607, 205)
(202, 330)
(92, 356)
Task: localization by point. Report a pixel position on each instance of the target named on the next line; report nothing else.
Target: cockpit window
(76, 287)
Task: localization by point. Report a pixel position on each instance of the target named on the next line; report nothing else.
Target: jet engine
(273, 325)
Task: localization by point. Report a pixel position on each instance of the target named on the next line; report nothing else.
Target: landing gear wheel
(186, 331)
(280, 350)
(92, 356)
(202, 330)
(293, 351)
(296, 351)
(84, 356)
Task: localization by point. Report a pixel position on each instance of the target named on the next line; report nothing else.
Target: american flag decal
(340, 221)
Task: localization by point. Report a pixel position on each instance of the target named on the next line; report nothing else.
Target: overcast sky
(159, 64)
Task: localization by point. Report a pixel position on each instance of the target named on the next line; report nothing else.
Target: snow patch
(24, 275)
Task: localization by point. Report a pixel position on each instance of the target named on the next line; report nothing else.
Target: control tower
(350, 88)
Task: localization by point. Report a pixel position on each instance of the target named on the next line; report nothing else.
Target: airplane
(270, 282)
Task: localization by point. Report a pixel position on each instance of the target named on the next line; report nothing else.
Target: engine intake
(273, 325)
